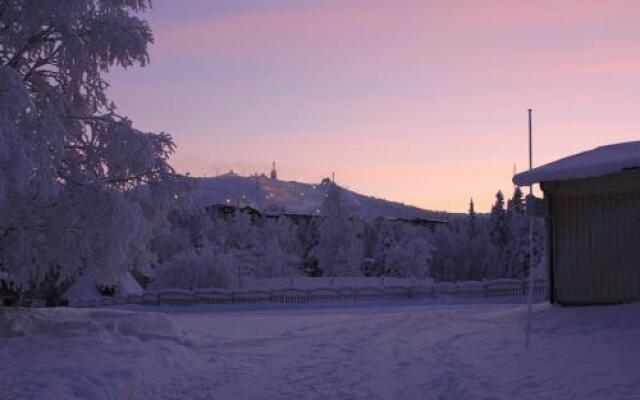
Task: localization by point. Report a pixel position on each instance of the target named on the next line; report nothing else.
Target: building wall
(596, 239)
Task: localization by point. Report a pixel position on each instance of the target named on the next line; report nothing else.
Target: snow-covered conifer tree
(516, 202)
(472, 225)
(516, 251)
(500, 233)
(498, 222)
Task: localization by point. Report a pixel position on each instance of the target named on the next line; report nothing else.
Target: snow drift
(89, 354)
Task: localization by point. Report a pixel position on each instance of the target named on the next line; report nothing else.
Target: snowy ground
(370, 351)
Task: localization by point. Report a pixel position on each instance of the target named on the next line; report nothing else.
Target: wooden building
(592, 202)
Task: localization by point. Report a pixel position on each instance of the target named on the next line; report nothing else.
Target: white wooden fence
(296, 295)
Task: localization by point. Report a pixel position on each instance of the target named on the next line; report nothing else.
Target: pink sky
(417, 101)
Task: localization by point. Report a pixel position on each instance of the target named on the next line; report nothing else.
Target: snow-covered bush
(409, 258)
(195, 269)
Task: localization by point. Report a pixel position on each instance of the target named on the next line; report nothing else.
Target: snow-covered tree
(516, 202)
(498, 226)
(459, 256)
(277, 262)
(240, 233)
(518, 249)
(238, 238)
(67, 158)
(306, 234)
(472, 225)
(481, 254)
(283, 249)
(410, 257)
(284, 232)
(340, 249)
(183, 233)
(386, 238)
(500, 233)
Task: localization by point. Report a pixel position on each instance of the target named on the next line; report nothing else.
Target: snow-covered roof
(600, 161)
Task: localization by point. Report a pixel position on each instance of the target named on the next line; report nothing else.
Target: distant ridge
(276, 196)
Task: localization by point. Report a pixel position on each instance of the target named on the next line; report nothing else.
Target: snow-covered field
(395, 350)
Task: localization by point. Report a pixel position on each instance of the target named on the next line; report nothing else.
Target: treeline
(487, 246)
(208, 248)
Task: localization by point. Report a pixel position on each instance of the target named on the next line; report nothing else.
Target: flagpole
(531, 258)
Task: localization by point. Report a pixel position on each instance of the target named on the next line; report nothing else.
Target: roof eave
(524, 179)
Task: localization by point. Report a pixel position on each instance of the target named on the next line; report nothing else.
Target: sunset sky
(417, 101)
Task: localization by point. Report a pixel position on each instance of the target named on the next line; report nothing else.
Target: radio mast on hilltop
(274, 173)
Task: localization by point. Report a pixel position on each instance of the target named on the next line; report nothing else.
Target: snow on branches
(67, 158)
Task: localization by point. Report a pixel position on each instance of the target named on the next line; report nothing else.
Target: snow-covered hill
(272, 195)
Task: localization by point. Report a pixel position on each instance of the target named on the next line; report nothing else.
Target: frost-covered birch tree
(282, 249)
(68, 159)
(340, 249)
